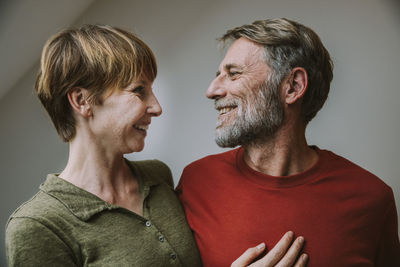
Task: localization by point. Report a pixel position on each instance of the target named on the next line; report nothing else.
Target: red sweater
(346, 214)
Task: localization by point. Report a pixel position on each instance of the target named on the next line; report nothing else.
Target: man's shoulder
(350, 172)
(339, 163)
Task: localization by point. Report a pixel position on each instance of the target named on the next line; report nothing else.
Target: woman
(96, 84)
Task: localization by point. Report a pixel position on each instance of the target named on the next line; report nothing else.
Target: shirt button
(173, 256)
(148, 223)
(161, 238)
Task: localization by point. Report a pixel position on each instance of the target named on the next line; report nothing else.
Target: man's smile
(225, 110)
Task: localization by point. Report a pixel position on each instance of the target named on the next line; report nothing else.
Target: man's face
(248, 102)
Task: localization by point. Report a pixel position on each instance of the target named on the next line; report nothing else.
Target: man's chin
(226, 142)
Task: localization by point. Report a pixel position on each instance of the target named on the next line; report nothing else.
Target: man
(273, 80)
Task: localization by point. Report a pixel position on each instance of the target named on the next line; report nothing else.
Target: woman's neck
(102, 173)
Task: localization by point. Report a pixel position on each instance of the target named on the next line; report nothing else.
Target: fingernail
(290, 234)
(301, 239)
(304, 256)
(261, 246)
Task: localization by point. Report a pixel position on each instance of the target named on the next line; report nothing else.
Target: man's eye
(233, 73)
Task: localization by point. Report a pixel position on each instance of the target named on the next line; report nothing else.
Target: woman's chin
(136, 148)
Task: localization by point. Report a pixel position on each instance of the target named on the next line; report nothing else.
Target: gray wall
(359, 121)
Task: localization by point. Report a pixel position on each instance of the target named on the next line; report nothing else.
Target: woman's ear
(78, 100)
(296, 85)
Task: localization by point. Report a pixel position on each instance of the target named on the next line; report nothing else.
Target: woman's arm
(30, 243)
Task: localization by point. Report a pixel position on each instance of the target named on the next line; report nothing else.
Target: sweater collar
(84, 204)
(265, 180)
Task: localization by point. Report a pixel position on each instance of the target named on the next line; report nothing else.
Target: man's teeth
(141, 127)
(224, 110)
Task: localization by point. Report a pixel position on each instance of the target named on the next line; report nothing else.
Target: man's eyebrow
(230, 66)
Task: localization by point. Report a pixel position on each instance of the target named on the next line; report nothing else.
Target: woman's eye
(138, 90)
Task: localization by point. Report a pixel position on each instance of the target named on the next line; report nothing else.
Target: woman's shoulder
(33, 233)
(154, 171)
(43, 209)
(29, 217)
(39, 206)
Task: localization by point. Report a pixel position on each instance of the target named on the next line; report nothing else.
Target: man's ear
(78, 100)
(296, 85)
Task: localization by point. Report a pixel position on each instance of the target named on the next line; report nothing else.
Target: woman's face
(120, 123)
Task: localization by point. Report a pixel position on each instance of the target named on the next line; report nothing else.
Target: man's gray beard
(256, 120)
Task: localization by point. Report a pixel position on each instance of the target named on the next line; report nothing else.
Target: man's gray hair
(289, 44)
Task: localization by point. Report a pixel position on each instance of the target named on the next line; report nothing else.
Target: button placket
(172, 256)
(174, 261)
(165, 244)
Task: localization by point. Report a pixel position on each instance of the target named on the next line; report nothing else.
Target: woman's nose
(154, 106)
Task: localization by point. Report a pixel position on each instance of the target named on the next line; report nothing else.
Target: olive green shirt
(64, 225)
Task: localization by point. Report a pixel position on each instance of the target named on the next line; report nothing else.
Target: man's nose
(216, 89)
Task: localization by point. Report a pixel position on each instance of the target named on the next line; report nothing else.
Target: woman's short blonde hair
(98, 58)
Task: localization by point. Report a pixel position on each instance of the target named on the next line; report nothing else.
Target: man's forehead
(241, 53)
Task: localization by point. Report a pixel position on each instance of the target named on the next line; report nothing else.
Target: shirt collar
(84, 204)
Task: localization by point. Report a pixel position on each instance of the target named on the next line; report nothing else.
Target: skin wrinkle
(106, 139)
(259, 110)
(112, 59)
(264, 118)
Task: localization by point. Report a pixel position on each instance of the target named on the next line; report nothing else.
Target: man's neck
(283, 155)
